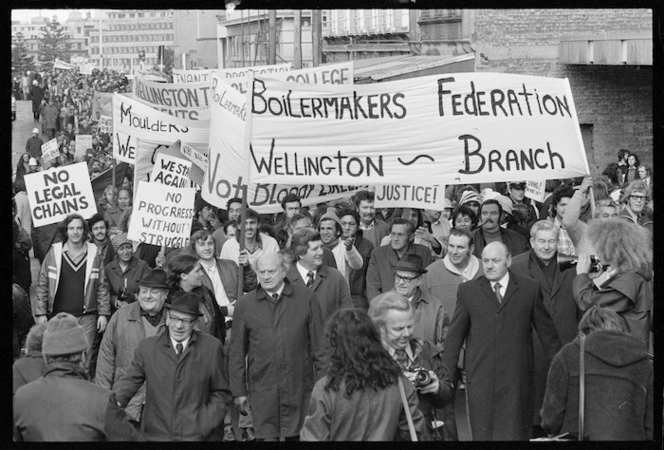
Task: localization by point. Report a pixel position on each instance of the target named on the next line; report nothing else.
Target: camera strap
(409, 418)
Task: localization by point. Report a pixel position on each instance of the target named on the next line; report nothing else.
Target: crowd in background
(388, 276)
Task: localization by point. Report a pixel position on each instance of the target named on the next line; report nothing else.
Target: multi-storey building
(243, 38)
(119, 37)
(32, 31)
(195, 38)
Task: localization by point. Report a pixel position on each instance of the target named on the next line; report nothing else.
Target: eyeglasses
(637, 197)
(175, 320)
(399, 278)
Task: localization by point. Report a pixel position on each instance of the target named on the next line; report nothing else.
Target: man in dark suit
(383, 260)
(328, 284)
(495, 315)
(491, 213)
(540, 264)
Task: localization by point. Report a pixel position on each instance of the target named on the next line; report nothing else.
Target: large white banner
(147, 125)
(83, 143)
(162, 215)
(59, 64)
(443, 129)
(238, 77)
(86, 69)
(55, 193)
(226, 162)
(188, 101)
(408, 196)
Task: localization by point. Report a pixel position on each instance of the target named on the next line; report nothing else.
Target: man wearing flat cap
(126, 329)
(187, 395)
(517, 193)
(63, 405)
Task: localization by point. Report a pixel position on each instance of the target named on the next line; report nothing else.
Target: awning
(621, 49)
(402, 67)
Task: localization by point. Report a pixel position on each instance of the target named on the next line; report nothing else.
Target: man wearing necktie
(495, 315)
(187, 395)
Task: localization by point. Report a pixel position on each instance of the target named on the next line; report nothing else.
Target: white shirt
(184, 343)
(278, 291)
(304, 272)
(503, 284)
(231, 250)
(219, 291)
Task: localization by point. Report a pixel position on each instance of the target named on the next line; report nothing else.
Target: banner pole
(591, 191)
(245, 190)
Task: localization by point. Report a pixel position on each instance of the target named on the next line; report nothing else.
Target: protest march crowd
(341, 320)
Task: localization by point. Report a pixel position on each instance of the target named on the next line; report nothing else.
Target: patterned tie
(310, 280)
(401, 358)
(275, 296)
(496, 289)
(178, 349)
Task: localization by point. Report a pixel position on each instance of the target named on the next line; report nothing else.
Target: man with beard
(491, 213)
(373, 229)
(99, 230)
(254, 242)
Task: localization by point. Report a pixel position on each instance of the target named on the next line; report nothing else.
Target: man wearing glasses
(635, 198)
(383, 261)
(187, 395)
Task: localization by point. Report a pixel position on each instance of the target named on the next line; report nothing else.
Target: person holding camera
(419, 360)
(624, 286)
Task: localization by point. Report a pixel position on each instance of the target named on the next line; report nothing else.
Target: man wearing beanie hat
(124, 273)
(187, 394)
(129, 326)
(63, 405)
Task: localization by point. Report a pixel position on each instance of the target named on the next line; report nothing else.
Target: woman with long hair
(23, 166)
(185, 274)
(359, 398)
(625, 287)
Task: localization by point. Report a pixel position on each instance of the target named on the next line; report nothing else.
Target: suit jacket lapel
(321, 272)
(511, 289)
(485, 286)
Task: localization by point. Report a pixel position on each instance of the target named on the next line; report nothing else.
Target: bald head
(496, 260)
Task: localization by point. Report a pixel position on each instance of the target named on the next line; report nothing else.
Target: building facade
(117, 39)
(195, 38)
(243, 38)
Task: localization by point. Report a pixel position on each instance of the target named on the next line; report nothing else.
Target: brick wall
(616, 100)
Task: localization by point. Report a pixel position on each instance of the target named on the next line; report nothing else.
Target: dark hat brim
(178, 308)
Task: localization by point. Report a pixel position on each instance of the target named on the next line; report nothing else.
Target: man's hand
(424, 234)
(348, 243)
(431, 388)
(241, 405)
(583, 264)
(101, 323)
(243, 259)
(586, 184)
(40, 319)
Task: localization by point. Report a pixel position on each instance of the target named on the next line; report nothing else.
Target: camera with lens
(422, 377)
(595, 264)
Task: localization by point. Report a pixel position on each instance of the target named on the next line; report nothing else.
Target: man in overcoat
(541, 264)
(495, 315)
(187, 394)
(276, 351)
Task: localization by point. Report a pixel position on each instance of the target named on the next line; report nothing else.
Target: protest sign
(105, 124)
(102, 105)
(50, 150)
(237, 78)
(188, 101)
(535, 190)
(401, 196)
(141, 122)
(55, 193)
(341, 73)
(124, 147)
(181, 76)
(86, 69)
(162, 215)
(147, 154)
(445, 129)
(194, 156)
(171, 171)
(59, 64)
(83, 142)
(223, 179)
